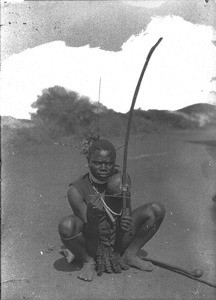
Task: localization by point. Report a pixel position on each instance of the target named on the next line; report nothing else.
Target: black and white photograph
(108, 150)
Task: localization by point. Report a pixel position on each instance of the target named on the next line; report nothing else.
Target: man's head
(101, 159)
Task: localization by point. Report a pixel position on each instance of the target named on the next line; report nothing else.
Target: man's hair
(101, 144)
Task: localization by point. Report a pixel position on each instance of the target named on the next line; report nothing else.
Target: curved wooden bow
(126, 204)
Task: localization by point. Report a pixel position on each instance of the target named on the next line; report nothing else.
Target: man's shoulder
(80, 179)
(83, 186)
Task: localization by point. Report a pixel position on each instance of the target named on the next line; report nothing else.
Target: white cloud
(178, 74)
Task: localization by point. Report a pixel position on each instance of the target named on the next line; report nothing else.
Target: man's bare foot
(136, 262)
(87, 272)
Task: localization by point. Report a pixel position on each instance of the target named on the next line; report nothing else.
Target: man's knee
(69, 226)
(158, 209)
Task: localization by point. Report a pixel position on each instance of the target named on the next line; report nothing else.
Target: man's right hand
(93, 213)
(91, 228)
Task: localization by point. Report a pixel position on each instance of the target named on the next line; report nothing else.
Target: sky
(81, 42)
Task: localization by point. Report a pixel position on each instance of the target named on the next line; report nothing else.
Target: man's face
(102, 164)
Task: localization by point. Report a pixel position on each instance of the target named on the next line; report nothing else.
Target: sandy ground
(177, 169)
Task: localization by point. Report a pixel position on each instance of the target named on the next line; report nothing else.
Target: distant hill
(12, 122)
(111, 123)
(199, 108)
(198, 115)
(203, 114)
(191, 113)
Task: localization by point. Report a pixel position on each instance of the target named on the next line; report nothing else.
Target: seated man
(95, 216)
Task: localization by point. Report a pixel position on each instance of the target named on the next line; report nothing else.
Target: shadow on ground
(62, 265)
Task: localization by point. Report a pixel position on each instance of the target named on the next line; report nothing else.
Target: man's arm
(77, 204)
(87, 213)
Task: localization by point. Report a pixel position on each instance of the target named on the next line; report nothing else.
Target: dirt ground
(177, 169)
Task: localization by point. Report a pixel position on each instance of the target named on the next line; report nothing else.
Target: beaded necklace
(109, 211)
(104, 203)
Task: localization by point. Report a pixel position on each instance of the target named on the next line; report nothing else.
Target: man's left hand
(126, 223)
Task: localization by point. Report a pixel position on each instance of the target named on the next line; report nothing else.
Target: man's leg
(146, 221)
(70, 230)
